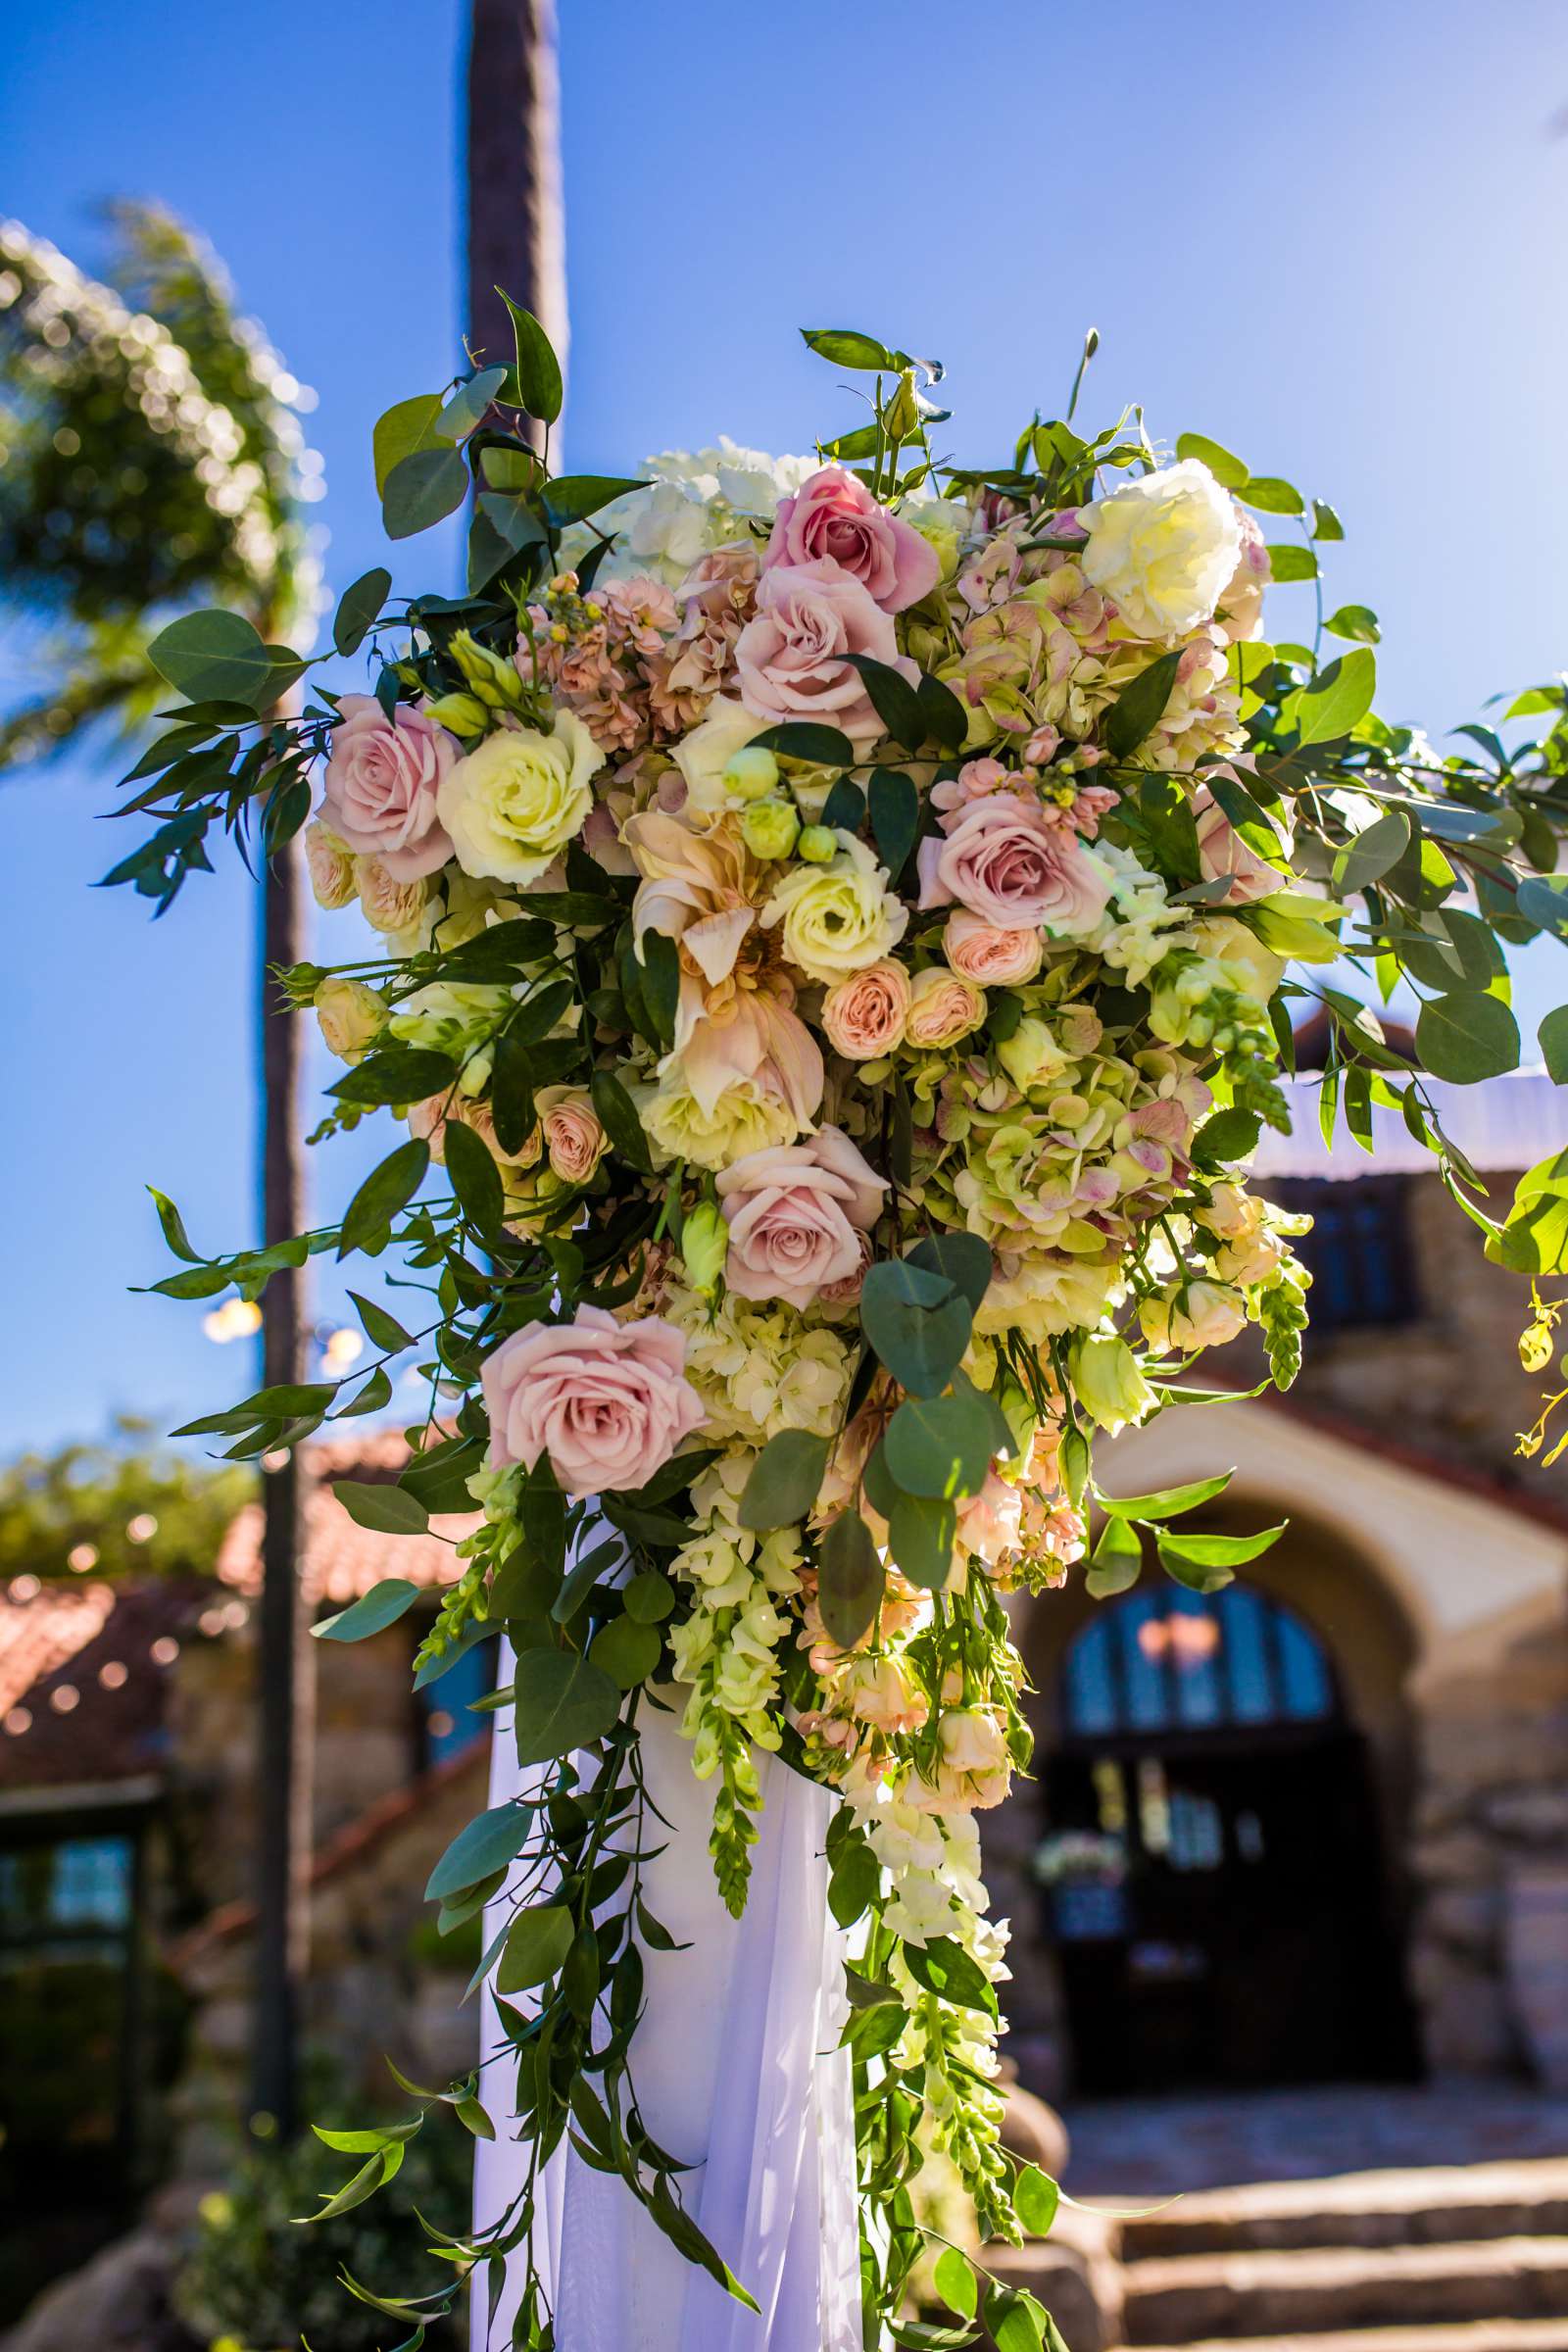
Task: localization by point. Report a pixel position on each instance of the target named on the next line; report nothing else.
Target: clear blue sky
(1329, 237)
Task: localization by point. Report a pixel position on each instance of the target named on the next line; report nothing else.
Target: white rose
(704, 754)
(838, 917)
(1163, 549)
(511, 804)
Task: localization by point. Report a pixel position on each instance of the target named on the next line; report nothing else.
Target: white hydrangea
(694, 500)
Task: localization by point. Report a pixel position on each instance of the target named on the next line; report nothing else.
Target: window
(1176, 1661)
(1359, 1251)
(80, 1887)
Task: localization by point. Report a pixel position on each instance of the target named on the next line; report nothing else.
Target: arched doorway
(1210, 1871)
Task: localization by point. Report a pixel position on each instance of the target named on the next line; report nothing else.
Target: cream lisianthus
(836, 919)
(1163, 549)
(704, 754)
(514, 801)
(1191, 1314)
(352, 1017)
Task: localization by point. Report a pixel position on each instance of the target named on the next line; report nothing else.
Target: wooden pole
(285, 1663)
(516, 234)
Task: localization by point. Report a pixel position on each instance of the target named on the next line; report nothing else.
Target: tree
(151, 462)
(515, 219)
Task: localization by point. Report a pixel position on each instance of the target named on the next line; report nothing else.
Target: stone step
(1184, 2298)
(1475, 2335)
(1432, 2205)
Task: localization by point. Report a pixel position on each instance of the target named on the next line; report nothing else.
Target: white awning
(1506, 1123)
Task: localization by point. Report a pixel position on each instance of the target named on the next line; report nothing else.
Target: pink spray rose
(863, 1017)
(789, 659)
(607, 1402)
(1014, 867)
(944, 1007)
(1221, 851)
(574, 1138)
(834, 518)
(977, 951)
(796, 1214)
(379, 790)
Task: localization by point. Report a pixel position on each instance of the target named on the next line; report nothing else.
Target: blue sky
(1328, 238)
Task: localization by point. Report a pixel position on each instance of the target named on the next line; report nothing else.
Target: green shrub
(256, 2282)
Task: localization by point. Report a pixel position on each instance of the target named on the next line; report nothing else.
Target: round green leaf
(358, 606)
(562, 1702)
(954, 2282)
(1221, 462)
(649, 1598)
(488, 1843)
(1553, 1037)
(916, 1322)
(1338, 697)
(921, 1536)
(940, 1445)
(1465, 1037)
(387, 1510)
(850, 1579)
(423, 489)
(212, 657)
(627, 1650)
(961, 1258)
(785, 1481)
(1035, 2201)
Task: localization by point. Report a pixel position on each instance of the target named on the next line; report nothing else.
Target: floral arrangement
(837, 923)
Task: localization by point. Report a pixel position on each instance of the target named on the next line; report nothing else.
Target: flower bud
(494, 681)
(768, 828)
(705, 1246)
(818, 844)
(461, 714)
(351, 1016)
(751, 772)
(1107, 1380)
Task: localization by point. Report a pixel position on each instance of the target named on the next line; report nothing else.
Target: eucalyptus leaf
(1467, 1037)
(940, 1445)
(387, 1509)
(918, 1322)
(850, 1579)
(562, 1702)
(213, 656)
(490, 1842)
(785, 1480)
(422, 490)
(372, 1612)
(536, 1947)
(539, 386)
(359, 608)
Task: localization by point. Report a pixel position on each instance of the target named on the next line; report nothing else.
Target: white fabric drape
(737, 2072)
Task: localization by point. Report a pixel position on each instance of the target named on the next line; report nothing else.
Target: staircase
(1441, 2259)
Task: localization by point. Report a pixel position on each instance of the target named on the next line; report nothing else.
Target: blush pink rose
(863, 1017)
(796, 1214)
(977, 951)
(834, 518)
(380, 785)
(574, 1138)
(1222, 852)
(788, 661)
(1014, 867)
(608, 1402)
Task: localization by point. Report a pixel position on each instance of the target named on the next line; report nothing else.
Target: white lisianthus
(704, 754)
(745, 1118)
(1163, 549)
(1110, 1385)
(352, 1018)
(838, 917)
(514, 801)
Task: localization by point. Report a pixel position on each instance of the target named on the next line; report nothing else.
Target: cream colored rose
(1191, 1314)
(704, 754)
(389, 905)
(330, 863)
(943, 1007)
(514, 801)
(351, 1015)
(1163, 549)
(1255, 970)
(834, 919)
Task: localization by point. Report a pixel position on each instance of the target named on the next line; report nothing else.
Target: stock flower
(514, 801)
(1162, 549)
(608, 1402)
(942, 1009)
(790, 659)
(834, 919)
(1017, 869)
(863, 1016)
(834, 517)
(795, 1216)
(997, 959)
(381, 791)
